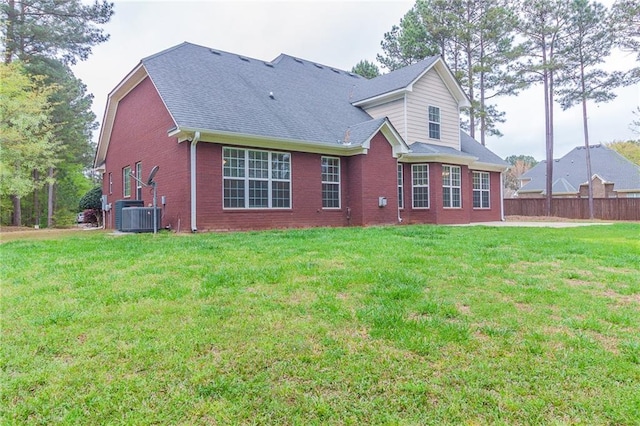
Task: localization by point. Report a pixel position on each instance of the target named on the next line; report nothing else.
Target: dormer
(422, 101)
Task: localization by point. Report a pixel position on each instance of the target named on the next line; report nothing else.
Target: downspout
(194, 141)
(397, 162)
(502, 196)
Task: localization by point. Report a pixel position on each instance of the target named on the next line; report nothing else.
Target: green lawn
(393, 325)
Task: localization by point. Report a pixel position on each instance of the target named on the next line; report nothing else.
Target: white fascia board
(452, 84)
(463, 160)
(127, 84)
(488, 167)
(382, 99)
(398, 145)
(266, 142)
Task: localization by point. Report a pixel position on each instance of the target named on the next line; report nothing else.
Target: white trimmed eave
(452, 84)
(135, 77)
(414, 157)
(383, 98)
(266, 142)
(398, 145)
(445, 74)
(489, 167)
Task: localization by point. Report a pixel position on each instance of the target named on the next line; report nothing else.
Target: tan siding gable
(431, 90)
(394, 111)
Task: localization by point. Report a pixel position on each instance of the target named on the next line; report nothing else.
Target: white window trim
(400, 177)
(451, 187)
(439, 122)
(413, 203)
(139, 180)
(126, 177)
(110, 183)
(481, 190)
(339, 182)
(246, 180)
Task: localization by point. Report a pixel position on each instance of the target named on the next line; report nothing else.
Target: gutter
(194, 142)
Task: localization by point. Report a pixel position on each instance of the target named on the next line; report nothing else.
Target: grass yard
(393, 325)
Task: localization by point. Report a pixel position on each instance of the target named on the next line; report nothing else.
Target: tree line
(500, 47)
(46, 122)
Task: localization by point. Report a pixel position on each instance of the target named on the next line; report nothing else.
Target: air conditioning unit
(120, 204)
(140, 219)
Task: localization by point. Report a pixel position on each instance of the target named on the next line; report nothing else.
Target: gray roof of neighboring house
(392, 81)
(570, 171)
(207, 89)
(469, 147)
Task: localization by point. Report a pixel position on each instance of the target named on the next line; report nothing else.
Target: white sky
(335, 33)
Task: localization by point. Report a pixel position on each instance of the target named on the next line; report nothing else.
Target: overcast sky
(335, 33)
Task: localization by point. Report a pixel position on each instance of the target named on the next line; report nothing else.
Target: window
(110, 183)
(400, 187)
(480, 190)
(256, 179)
(330, 182)
(451, 195)
(434, 122)
(139, 181)
(420, 185)
(126, 182)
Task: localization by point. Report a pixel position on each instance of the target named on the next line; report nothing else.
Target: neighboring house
(247, 144)
(612, 176)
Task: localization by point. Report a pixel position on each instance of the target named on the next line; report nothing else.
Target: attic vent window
(243, 58)
(298, 60)
(215, 52)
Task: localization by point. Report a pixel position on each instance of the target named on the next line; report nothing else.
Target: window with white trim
(451, 187)
(400, 187)
(126, 182)
(139, 180)
(330, 182)
(434, 122)
(256, 179)
(420, 186)
(481, 190)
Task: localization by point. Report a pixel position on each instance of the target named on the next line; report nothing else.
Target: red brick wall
(306, 187)
(436, 213)
(375, 177)
(140, 134)
(358, 206)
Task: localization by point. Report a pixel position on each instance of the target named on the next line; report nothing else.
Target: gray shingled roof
(212, 90)
(469, 147)
(570, 171)
(392, 81)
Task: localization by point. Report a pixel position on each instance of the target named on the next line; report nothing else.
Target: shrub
(91, 205)
(92, 199)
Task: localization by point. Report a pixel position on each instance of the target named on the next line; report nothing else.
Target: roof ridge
(316, 64)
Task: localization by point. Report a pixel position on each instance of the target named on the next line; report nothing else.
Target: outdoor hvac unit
(140, 219)
(120, 204)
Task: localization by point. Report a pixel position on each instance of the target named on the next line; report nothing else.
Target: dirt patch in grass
(625, 299)
(12, 233)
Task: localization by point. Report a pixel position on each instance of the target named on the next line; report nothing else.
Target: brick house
(613, 176)
(247, 144)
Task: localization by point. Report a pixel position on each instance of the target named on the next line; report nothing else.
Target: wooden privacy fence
(575, 208)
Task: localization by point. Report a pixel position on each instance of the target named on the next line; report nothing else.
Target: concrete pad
(541, 224)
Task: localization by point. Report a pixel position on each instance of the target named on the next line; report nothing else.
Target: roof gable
(383, 88)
